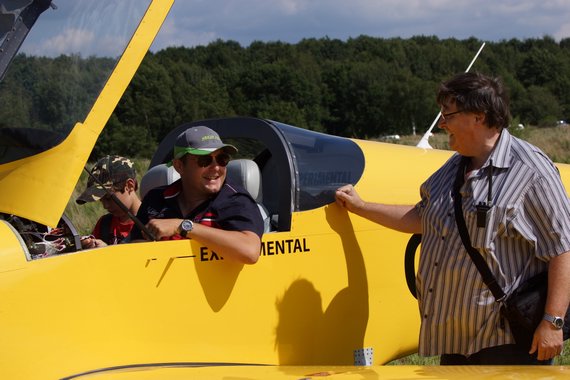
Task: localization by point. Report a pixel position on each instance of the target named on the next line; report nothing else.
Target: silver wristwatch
(557, 322)
(186, 226)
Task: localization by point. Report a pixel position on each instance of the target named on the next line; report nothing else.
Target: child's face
(112, 207)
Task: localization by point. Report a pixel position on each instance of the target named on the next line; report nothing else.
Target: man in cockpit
(202, 205)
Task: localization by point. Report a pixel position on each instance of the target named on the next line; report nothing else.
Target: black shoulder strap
(488, 277)
(105, 228)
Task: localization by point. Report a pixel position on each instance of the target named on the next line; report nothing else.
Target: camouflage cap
(110, 171)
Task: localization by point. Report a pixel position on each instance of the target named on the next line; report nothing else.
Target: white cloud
(199, 22)
(87, 27)
(562, 32)
(71, 40)
(79, 41)
(172, 34)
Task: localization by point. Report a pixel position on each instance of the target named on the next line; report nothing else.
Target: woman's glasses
(221, 159)
(445, 116)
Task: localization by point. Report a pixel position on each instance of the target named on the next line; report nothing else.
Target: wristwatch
(557, 322)
(185, 227)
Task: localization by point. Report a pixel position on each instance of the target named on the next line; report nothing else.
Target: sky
(198, 22)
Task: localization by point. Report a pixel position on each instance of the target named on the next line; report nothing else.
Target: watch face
(187, 225)
(558, 322)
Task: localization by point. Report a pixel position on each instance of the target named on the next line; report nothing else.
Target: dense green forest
(363, 87)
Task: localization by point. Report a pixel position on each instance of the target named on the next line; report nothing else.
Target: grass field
(555, 142)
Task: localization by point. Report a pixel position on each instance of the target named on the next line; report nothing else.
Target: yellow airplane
(327, 298)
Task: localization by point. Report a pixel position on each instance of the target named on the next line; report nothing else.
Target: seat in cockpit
(247, 174)
(159, 175)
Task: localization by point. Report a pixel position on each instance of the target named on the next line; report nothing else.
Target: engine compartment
(42, 241)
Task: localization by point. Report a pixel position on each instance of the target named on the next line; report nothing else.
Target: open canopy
(59, 91)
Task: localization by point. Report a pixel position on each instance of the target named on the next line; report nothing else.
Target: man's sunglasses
(221, 159)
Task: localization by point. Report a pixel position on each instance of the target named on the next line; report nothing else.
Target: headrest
(246, 173)
(159, 175)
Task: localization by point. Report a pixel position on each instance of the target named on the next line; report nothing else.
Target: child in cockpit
(111, 176)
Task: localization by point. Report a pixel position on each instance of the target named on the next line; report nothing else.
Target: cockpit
(300, 169)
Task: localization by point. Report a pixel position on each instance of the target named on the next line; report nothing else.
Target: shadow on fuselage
(306, 334)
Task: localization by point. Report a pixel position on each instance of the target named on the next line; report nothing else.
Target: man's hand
(162, 228)
(348, 198)
(404, 218)
(547, 341)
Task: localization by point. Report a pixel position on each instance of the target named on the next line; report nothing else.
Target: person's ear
(178, 165)
(480, 117)
(130, 185)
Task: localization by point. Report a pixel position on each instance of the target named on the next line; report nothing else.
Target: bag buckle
(502, 299)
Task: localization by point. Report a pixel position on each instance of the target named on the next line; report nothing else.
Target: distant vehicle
(390, 137)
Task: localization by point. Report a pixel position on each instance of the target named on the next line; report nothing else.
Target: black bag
(524, 309)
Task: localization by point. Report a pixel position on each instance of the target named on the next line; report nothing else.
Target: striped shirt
(528, 225)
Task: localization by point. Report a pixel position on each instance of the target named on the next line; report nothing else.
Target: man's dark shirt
(231, 209)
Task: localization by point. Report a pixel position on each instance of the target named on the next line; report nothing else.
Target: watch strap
(557, 322)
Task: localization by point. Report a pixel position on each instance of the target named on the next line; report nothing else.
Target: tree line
(363, 87)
